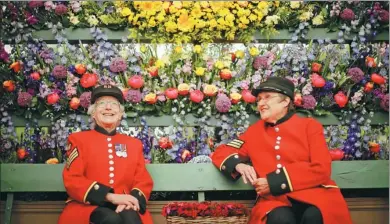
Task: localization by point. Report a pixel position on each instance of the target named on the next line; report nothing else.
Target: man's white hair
(92, 108)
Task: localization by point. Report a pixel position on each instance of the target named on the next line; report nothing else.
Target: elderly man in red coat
(291, 164)
(105, 174)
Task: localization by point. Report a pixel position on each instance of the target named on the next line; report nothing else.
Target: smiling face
(272, 106)
(107, 113)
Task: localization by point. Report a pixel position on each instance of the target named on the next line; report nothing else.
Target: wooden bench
(200, 178)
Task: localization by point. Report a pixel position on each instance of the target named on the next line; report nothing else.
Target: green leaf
(131, 114)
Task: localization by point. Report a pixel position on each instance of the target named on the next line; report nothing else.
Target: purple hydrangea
(118, 65)
(347, 14)
(260, 62)
(309, 102)
(223, 103)
(385, 102)
(24, 99)
(85, 99)
(378, 93)
(356, 74)
(133, 96)
(61, 9)
(60, 72)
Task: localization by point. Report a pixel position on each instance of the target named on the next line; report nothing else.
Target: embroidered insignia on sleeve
(236, 143)
(72, 156)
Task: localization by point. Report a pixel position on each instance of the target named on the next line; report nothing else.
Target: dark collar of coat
(104, 132)
(281, 120)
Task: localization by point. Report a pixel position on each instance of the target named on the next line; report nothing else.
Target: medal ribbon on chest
(120, 150)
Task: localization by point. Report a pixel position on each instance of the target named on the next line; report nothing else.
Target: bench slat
(188, 177)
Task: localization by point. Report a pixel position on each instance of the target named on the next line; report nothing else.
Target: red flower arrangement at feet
(204, 209)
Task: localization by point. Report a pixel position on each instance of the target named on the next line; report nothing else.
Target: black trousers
(107, 215)
(299, 213)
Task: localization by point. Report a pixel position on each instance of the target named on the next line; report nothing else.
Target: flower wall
(183, 72)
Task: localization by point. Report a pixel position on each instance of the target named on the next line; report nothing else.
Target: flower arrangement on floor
(205, 212)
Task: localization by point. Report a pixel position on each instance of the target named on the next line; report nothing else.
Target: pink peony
(223, 103)
(309, 102)
(347, 14)
(85, 99)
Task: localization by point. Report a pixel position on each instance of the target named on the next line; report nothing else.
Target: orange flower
(80, 69)
(316, 67)
(16, 66)
(150, 98)
(370, 62)
(9, 85)
(52, 161)
(210, 90)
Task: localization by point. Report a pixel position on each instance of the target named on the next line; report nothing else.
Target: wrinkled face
(107, 111)
(271, 105)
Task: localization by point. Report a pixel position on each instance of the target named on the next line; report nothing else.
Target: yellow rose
(204, 4)
(200, 71)
(210, 90)
(125, 12)
(219, 64)
(253, 51)
(183, 87)
(305, 16)
(229, 17)
(318, 20)
(200, 24)
(295, 4)
(150, 98)
(239, 54)
(52, 161)
(170, 26)
(197, 49)
(235, 97)
(213, 23)
(74, 20)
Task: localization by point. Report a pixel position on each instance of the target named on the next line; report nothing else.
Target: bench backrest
(188, 177)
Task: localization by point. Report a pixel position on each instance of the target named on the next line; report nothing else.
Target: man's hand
(248, 172)
(120, 208)
(123, 199)
(261, 186)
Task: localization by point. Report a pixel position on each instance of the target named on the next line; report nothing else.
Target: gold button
(279, 165)
(87, 202)
(223, 167)
(277, 129)
(96, 187)
(277, 142)
(278, 138)
(278, 157)
(277, 147)
(108, 139)
(283, 186)
(277, 171)
(110, 145)
(236, 156)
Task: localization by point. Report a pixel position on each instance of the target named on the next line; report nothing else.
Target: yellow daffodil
(178, 49)
(197, 49)
(253, 51)
(159, 63)
(295, 4)
(318, 20)
(219, 64)
(239, 54)
(125, 12)
(199, 71)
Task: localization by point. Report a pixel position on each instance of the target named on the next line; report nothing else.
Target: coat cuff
(96, 194)
(228, 166)
(279, 182)
(137, 193)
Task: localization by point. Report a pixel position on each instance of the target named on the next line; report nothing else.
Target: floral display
(204, 209)
(182, 72)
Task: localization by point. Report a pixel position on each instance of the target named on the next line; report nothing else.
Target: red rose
(74, 103)
(52, 98)
(316, 67)
(35, 76)
(247, 96)
(171, 93)
(136, 81)
(88, 80)
(196, 96)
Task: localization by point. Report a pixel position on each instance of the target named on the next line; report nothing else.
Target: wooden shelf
(83, 34)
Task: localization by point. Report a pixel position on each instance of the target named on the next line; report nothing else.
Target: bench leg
(8, 208)
(201, 196)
